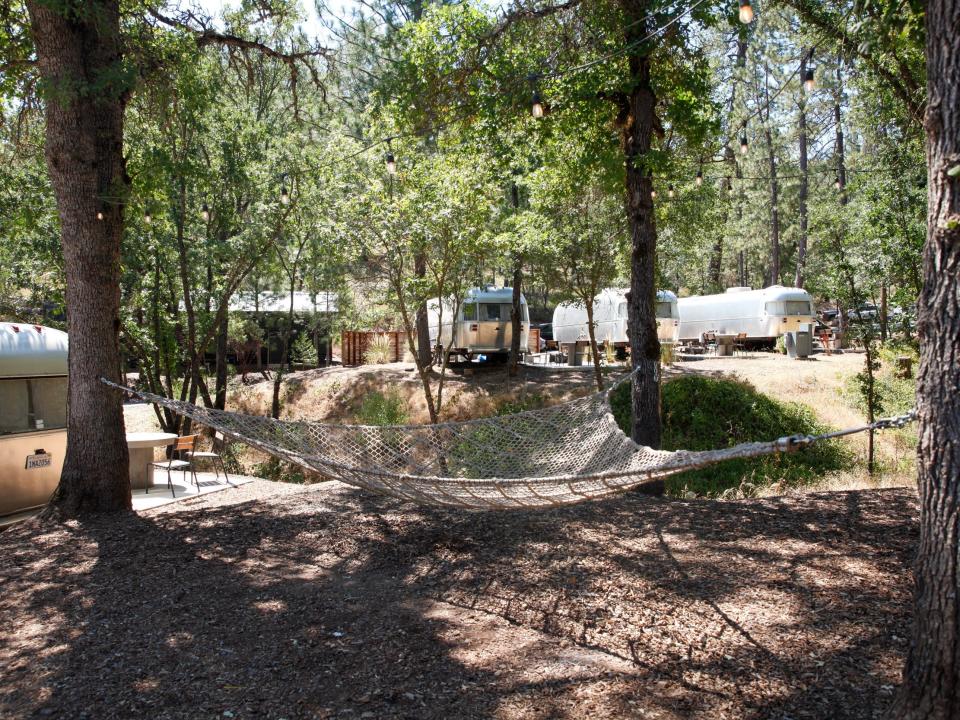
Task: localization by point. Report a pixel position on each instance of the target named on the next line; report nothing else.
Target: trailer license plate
(35, 462)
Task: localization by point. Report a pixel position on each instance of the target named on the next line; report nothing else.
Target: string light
(670, 191)
(744, 146)
(99, 214)
(147, 217)
(653, 193)
(746, 12)
(537, 105)
(699, 177)
(809, 84)
(284, 193)
(205, 212)
(391, 161)
(836, 183)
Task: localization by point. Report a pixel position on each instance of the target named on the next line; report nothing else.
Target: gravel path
(276, 601)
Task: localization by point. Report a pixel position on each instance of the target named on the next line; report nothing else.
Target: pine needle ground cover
(701, 413)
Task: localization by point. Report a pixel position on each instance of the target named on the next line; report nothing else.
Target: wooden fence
(354, 344)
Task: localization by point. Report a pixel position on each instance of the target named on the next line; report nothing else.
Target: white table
(141, 445)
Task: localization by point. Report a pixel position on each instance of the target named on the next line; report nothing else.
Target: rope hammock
(559, 455)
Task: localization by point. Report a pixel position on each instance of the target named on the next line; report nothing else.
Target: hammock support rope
(559, 455)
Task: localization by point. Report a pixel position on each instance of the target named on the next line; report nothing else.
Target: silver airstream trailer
(610, 319)
(33, 414)
(482, 325)
(760, 315)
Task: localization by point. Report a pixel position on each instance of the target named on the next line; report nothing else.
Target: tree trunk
(220, 400)
(424, 350)
(931, 682)
(516, 316)
(594, 350)
(84, 152)
(774, 209)
(636, 135)
(799, 278)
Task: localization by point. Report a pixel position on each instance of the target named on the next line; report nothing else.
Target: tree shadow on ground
(336, 602)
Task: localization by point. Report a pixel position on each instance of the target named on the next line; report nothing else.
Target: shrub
(379, 350)
(531, 401)
(304, 351)
(666, 353)
(707, 414)
(383, 408)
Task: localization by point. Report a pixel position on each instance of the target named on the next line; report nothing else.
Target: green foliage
(893, 395)
(303, 350)
(527, 401)
(705, 414)
(383, 408)
(379, 350)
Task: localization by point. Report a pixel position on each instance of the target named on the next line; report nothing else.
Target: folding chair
(182, 445)
(219, 441)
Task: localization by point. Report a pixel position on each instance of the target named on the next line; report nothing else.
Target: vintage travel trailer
(33, 414)
(610, 319)
(482, 325)
(762, 315)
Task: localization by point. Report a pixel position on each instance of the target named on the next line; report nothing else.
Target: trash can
(798, 344)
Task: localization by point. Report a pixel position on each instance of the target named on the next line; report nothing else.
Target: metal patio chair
(183, 445)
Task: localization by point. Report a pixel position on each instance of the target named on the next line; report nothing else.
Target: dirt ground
(275, 601)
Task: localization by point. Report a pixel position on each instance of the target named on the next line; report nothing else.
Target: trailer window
(665, 309)
(32, 404)
(470, 311)
(789, 307)
(798, 307)
(489, 311)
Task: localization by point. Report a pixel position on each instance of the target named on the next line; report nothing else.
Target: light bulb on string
(653, 193)
(536, 107)
(205, 212)
(744, 146)
(147, 217)
(670, 191)
(746, 12)
(390, 160)
(99, 214)
(836, 183)
(284, 193)
(699, 178)
(809, 84)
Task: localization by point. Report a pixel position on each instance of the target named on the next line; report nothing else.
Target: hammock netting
(557, 455)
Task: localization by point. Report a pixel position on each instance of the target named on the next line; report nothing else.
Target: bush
(303, 350)
(379, 351)
(383, 408)
(531, 401)
(706, 414)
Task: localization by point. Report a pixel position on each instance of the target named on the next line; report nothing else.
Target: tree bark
(594, 350)
(799, 277)
(79, 57)
(636, 135)
(423, 327)
(931, 681)
(516, 317)
(220, 399)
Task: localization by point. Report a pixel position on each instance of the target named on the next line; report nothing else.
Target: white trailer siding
(33, 414)
(610, 319)
(763, 315)
(482, 324)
